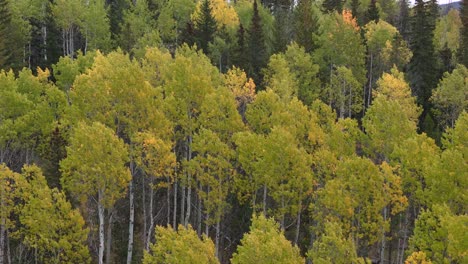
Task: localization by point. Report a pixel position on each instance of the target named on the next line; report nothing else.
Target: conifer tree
(257, 50)
(372, 13)
(305, 24)
(355, 11)
(5, 18)
(332, 5)
(205, 26)
(464, 44)
(403, 19)
(422, 69)
(240, 57)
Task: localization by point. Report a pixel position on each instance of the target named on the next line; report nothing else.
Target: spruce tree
(372, 13)
(240, 57)
(355, 11)
(422, 68)
(205, 26)
(257, 49)
(403, 19)
(464, 40)
(332, 5)
(5, 35)
(305, 24)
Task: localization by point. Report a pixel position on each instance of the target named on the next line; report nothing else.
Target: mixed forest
(213, 131)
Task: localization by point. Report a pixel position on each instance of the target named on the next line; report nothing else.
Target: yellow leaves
(222, 11)
(43, 75)
(181, 246)
(418, 257)
(242, 87)
(265, 243)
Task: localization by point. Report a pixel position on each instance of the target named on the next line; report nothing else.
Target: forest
(244, 131)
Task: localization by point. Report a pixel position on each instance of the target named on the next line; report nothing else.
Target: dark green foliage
(116, 11)
(258, 56)
(5, 26)
(403, 19)
(283, 29)
(464, 44)
(372, 13)
(332, 5)
(205, 26)
(422, 70)
(240, 57)
(305, 24)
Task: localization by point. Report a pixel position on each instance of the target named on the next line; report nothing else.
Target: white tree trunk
(174, 211)
(298, 222)
(109, 236)
(189, 188)
(132, 219)
(101, 225)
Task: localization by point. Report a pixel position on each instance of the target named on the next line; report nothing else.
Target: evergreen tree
(372, 13)
(5, 21)
(422, 69)
(205, 26)
(355, 11)
(333, 5)
(240, 58)
(257, 50)
(403, 19)
(464, 44)
(305, 24)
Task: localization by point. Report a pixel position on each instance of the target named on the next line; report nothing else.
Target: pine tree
(205, 26)
(305, 24)
(240, 58)
(464, 44)
(355, 11)
(422, 69)
(256, 42)
(5, 20)
(333, 5)
(403, 19)
(372, 13)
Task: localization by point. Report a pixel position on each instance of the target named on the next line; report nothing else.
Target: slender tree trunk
(298, 223)
(145, 214)
(149, 231)
(168, 201)
(132, 219)
(101, 225)
(109, 237)
(189, 178)
(174, 211)
(8, 252)
(350, 101)
(282, 213)
(370, 80)
(182, 206)
(382, 249)
(264, 199)
(29, 55)
(405, 237)
(199, 213)
(2, 225)
(44, 32)
(2, 241)
(218, 231)
(207, 226)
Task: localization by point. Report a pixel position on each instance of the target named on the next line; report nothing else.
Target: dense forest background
(184, 131)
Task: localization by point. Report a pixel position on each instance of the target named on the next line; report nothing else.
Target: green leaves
(95, 161)
(265, 243)
(181, 246)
